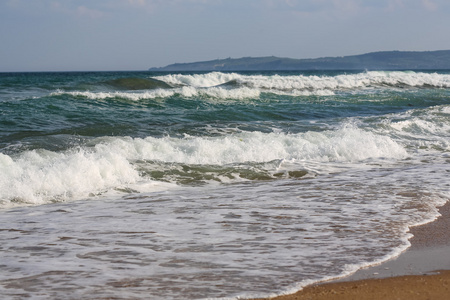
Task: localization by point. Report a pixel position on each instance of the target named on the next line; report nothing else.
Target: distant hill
(386, 60)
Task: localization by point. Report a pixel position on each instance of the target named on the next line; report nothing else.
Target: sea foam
(187, 92)
(346, 144)
(425, 128)
(41, 176)
(312, 82)
(111, 163)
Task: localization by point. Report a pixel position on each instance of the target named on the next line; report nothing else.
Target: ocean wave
(346, 145)
(125, 163)
(312, 83)
(186, 92)
(218, 85)
(236, 86)
(424, 128)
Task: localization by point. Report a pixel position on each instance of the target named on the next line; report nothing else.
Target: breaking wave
(217, 85)
(186, 92)
(114, 163)
(312, 83)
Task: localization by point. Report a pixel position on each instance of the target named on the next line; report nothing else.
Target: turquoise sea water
(212, 185)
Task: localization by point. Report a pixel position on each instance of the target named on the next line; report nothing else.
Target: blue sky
(76, 35)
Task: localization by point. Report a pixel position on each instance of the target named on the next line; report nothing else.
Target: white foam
(40, 176)
(278, 83)
(445, 109)
(422, 127)
(135, 96)
(346, 144)
(199, 80)
(187, 91)
(269, 234)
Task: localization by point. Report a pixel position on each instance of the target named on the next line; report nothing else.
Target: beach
(421, 272)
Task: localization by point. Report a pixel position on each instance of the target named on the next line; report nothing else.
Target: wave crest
(186, 92)
(297, 83)
(112, 163)
(216, 85)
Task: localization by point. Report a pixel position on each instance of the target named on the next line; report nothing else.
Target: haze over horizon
(56, 35)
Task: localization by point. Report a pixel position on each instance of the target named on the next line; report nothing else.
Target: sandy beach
(421, 272)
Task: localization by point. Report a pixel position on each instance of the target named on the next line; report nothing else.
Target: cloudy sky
(74, 35)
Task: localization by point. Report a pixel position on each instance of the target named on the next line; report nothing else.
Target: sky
(113, 35)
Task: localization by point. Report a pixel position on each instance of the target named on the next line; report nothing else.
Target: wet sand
(421, 272)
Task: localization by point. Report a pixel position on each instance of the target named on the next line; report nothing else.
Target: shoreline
(421, 272)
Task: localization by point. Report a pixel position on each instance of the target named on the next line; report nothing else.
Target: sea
(213, 185)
